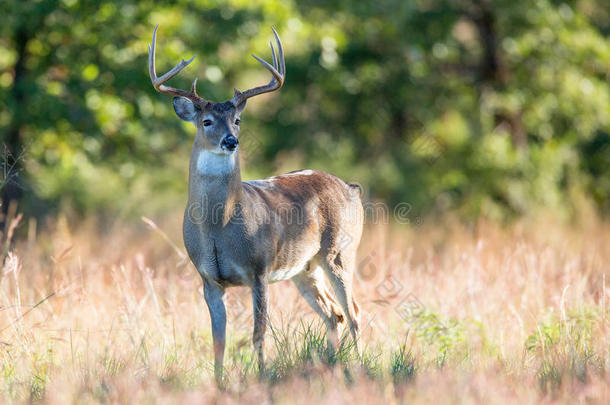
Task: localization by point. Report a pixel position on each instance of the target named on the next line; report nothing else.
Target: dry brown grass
(483, 314)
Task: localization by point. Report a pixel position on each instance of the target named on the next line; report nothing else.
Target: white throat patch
(209, 163)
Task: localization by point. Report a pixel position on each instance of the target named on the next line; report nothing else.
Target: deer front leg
(259, 304)
(213, 297)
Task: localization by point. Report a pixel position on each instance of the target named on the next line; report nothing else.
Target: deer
(252, 233)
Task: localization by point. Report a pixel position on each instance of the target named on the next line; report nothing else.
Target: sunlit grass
(450, 314)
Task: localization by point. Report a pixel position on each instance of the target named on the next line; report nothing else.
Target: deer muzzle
(229, 143)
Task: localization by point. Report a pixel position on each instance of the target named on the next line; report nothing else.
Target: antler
(159, 82)
(278, 72)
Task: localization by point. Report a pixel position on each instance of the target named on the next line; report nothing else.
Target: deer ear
(185, 109)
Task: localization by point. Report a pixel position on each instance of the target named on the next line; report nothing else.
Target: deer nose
(229, 143)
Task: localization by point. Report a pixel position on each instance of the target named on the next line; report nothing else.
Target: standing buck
(304, 225)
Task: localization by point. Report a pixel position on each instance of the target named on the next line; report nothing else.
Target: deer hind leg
(339, 269)
(311, 284)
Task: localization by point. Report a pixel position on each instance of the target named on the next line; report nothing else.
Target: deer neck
(215, 187)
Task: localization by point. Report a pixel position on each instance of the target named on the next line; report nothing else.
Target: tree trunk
(492, 69)
(13, 142)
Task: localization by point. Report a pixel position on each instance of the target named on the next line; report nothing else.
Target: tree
(483, 106)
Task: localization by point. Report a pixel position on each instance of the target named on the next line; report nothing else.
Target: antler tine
(282, 62)
(278, 73)
(194, 88)
(273, 55)
(159, 82)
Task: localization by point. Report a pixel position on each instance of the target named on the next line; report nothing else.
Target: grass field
(451, 313)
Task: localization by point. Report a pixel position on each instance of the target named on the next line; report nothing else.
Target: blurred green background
(494, 108)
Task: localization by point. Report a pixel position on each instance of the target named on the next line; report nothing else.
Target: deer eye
(207, 123)
(237, 121)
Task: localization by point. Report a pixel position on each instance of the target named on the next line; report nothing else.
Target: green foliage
(564, 347)
(444, 337)
(402, 365)
(302, 350)
(492, 107)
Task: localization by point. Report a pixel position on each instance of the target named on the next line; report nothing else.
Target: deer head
(218, 122)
